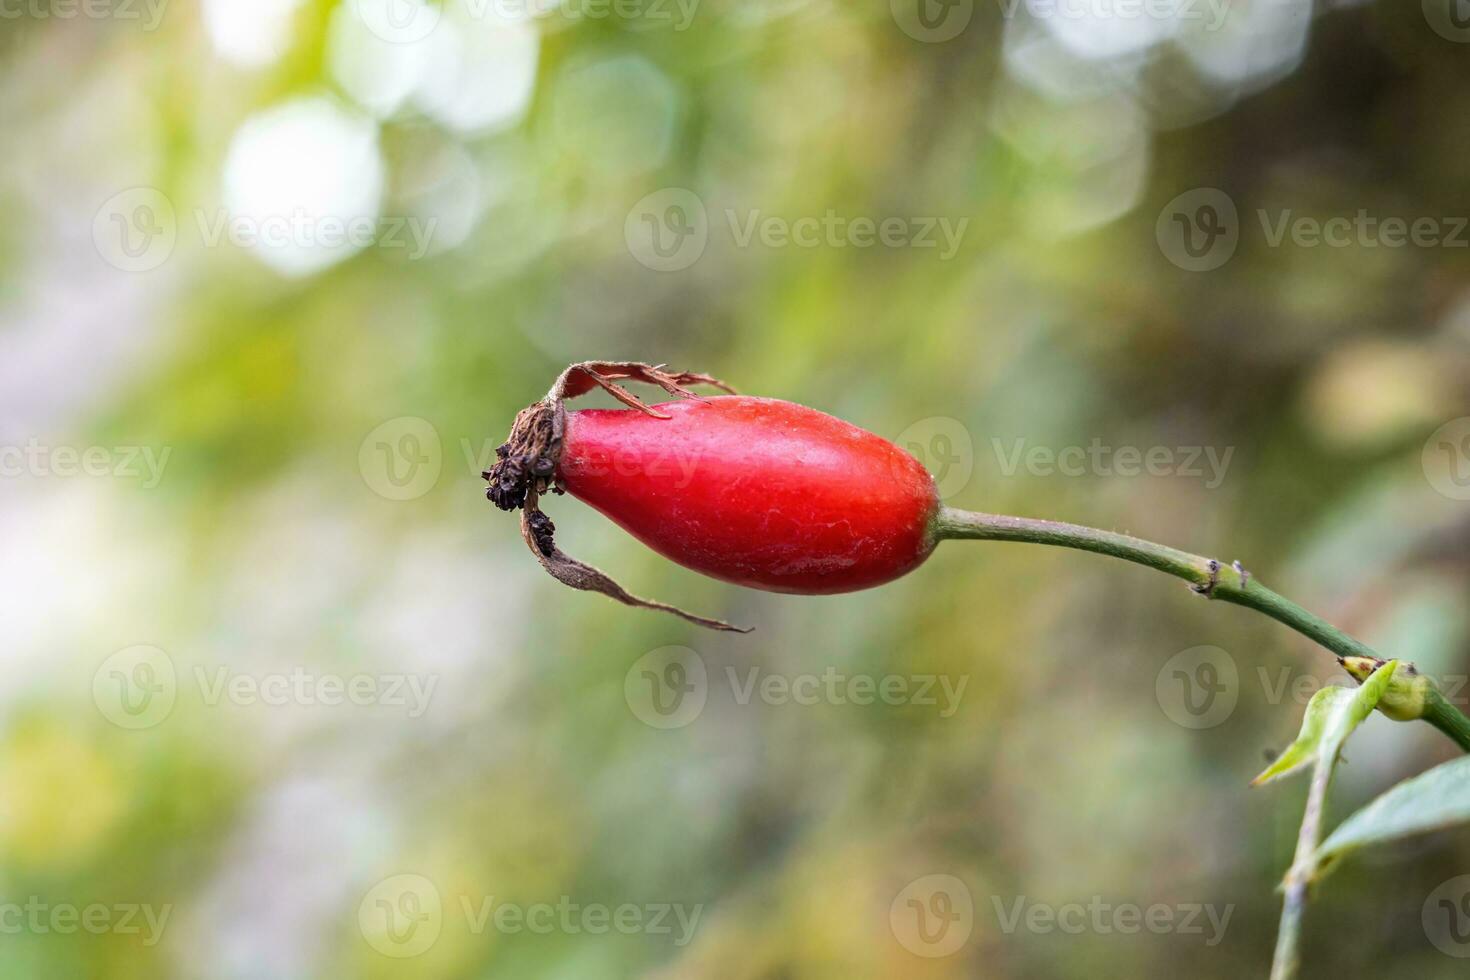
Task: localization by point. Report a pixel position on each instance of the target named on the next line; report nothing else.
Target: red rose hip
(756, 491)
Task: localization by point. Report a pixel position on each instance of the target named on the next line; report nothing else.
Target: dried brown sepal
(583, 377)
(538, 531)
(527, 463)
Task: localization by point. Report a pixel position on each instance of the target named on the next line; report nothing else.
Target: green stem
(1448, 719)
(1206, 576)
(1287, 960)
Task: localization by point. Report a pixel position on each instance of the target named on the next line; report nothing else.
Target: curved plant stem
(1287, 959)
(1207, 576)
(1448, 719)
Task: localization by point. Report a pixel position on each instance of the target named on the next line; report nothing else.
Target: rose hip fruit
(756, 491)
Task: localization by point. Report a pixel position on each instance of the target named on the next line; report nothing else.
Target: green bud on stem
(1409, 692)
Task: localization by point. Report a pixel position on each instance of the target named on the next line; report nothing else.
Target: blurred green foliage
(273, 544)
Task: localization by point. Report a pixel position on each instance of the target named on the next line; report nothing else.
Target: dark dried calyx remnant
(543, 532)
(526, 462)
(526, 468)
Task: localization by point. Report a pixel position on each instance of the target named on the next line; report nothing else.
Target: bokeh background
(277, 275)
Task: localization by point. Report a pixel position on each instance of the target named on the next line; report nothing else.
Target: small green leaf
(1314, 724)
(1331, 716)
(1430, 801)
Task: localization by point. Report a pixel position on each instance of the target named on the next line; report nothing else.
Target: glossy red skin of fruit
(756, 491)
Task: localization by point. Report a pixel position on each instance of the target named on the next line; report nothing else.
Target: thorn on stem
(1207, 589)
(1240, 570)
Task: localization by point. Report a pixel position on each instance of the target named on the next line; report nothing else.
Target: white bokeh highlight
(377, 74)
(250, 33)
(479, 70)
(298, 173)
